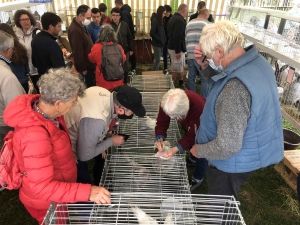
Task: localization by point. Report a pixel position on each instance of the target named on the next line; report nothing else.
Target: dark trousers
(98, 168)
(34, 80)
(90, 78)
(3, 131)
(83, 175)
(222, 183)
(200, 167)
(165, 56)
(132, 60)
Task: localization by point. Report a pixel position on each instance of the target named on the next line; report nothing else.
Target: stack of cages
(150, 208)
(277, 37)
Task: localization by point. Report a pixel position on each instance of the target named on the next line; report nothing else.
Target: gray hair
(60, 84)
(106, 34)
(6, 41)
(175, 103)
(223, 34)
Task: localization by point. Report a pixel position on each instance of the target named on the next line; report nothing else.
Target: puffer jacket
(26, 39)
(157, 32)
(44, 151)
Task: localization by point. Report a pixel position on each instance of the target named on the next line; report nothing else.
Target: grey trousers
(157, 55)
(222, 183)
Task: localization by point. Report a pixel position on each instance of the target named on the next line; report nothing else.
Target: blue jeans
(193, 72)
(200, 168)
(157, 54)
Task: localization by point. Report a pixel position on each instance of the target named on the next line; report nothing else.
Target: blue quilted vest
(263, 138)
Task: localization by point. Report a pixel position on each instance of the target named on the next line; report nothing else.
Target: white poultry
(169, 219)
(151, 123)
(142, 217)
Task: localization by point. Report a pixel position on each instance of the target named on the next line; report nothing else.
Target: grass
(265, 198)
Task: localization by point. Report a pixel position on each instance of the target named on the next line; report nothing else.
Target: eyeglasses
(115, 15)
(23, 20)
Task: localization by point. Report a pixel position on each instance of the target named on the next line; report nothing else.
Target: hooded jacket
(26, 39)
(157, 32)
(44, 151)
(124, 36)
(127, 18)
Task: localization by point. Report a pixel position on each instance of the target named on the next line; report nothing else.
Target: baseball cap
(131, 99)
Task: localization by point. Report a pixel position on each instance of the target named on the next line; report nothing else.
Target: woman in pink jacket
(42, 145)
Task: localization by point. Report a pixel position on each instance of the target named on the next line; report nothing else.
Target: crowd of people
(232, 128)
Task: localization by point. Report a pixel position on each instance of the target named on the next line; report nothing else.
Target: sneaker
(182, 86)
(166, 72)
(194, 184)
(190, 162)
(161, 58)
(133, 72)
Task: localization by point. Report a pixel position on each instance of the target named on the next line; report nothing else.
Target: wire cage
(129, 172)
(150, 208)
(142, 136)
(152, 83)
(151, 101)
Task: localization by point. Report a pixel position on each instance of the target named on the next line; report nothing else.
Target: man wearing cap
(88, 123)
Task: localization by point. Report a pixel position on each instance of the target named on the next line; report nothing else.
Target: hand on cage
(193, 151)
(117, 140)
(171, 152)
(99, 195)
(200, 57)
(160, 144)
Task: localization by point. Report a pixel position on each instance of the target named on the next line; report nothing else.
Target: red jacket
(44, 151)
(190, 124)
(95, 56)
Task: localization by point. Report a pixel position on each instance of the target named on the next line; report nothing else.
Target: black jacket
(166, 20)
(176, 33)
(194, 16)
(127, 18)
(157, 32)
(124, 36)
(46, 53)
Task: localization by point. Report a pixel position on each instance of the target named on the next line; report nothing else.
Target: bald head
(203, 13)
(183, 9)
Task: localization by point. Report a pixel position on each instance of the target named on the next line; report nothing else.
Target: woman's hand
(99, 195)
(160, 144)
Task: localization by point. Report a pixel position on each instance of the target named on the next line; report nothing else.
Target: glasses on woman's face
(24, 20)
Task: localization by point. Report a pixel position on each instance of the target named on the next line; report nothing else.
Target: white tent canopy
(9, 6)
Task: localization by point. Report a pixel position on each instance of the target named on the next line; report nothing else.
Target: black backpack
(112, 62)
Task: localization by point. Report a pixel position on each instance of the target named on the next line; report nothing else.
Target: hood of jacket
(20, 33)
(19, 113)
(154, 16)
(126, 7)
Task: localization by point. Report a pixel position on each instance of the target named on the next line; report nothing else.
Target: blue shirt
(93, 30)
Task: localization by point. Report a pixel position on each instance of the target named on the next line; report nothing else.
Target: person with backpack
(26, 31)
(109, 58)
(158, 35)
(94, 27)
(42, 147)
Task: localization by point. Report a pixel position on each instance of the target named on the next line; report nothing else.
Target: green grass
(265, 198)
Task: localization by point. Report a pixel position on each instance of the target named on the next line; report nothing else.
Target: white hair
(60, 84)
(175, 103)
(6, 41)
(223, 34)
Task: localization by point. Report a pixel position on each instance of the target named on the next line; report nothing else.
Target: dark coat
(46, 53)
(127, 18)
(194, 16)
(157, 32)
(81, 44)
(124, 36)
(176, 33)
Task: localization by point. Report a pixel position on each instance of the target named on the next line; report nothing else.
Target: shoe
(166, 72)
(161, 58)
(182, 86)
(194, 184)
(190, 162)
(133, 72)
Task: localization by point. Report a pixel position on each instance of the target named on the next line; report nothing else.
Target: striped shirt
(5, 59)
(192, 35)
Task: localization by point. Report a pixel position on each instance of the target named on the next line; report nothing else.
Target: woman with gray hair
(107, 36)
(241, 126)
(42, 145)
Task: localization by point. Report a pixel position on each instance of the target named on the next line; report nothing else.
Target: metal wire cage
(129, 172)
(142, 136)
(152, 83)
(150, 208)
(151, 101)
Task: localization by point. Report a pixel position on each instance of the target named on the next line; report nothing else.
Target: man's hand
(99, 195)
(171, 152)
(117, 140)
(84, 72)
(178, 56)
(199, 56)
(131, 53)
(193, 151)
(160, 144)
(104, 154)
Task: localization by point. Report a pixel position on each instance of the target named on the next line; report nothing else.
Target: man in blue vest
(241, 126)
